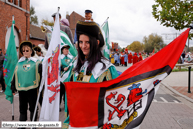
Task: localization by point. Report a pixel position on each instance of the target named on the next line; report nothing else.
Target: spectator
(1, 71)
(183, 56)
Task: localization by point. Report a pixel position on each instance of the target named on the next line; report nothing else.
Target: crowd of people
(124, 58)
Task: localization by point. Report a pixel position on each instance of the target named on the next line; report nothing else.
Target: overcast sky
(128, 20)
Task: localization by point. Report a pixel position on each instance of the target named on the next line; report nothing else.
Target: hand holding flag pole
(69, 65)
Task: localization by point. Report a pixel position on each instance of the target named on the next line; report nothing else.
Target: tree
(136, 46)
(173, 13)
(153, 41)
(47, 23)
(33, 17)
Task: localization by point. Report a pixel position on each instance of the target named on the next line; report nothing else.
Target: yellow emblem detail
(34, 82)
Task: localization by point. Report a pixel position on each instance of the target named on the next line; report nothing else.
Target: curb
(176, 92)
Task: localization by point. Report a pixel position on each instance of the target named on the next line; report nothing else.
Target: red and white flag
(51, 77)
(122, 102)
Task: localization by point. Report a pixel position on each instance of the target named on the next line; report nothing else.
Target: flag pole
(13, 96)
(104, 22)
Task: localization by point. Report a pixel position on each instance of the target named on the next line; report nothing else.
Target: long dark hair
(94, 56)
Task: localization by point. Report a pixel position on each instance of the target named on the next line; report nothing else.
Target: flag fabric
(66, 41)
(9, 64)
(113, 46)
(64, 75)
(122, 102)
(153, 50)
(105, 31)
(51, 77)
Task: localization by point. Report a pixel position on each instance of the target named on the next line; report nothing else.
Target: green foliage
(136, 46)
(47, 23)
(182, 69)
(191, 49)
(173, 13)
(33, 17)
(153, 41)
(122, 49)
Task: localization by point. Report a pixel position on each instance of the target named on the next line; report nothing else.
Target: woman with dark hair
(91, 65)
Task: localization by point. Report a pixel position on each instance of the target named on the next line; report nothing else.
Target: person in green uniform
(91, 66)
(26, 80)
(66, 59)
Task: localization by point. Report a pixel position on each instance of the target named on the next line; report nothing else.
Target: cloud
(128, 20)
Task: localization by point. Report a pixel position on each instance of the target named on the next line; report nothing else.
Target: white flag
(51, 77)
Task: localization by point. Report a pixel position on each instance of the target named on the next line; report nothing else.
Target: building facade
(36, 35)
(20, 9)
(73, 18)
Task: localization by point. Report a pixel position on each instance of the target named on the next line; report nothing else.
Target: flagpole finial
(58, 9)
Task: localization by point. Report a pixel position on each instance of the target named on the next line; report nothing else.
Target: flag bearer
(91, 66)
(26, 80)
(66, 59)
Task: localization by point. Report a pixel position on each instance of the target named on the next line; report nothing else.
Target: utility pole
(175, 35)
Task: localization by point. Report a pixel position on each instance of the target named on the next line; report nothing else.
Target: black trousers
(125, 63)
(62, 92)
(2, 81)
(25, 98)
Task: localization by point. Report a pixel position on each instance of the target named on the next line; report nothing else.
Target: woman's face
(84, 44)
(26, 51)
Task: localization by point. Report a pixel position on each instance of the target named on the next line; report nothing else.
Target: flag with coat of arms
(122, 103)
(51, 77)
(9, 64)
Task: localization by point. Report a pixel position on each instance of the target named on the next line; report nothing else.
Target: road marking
(163, 99)
(154, 100)
(175, 101)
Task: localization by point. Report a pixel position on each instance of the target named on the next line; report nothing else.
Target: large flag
(51, 77)
(105, 30)
(9, 64)
(66, 41)
(124, 101)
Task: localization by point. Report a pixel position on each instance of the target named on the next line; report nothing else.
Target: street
(167, 111)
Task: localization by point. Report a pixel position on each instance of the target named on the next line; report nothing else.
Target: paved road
(167, 111)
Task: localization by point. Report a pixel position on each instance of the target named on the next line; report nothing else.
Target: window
(19, 3)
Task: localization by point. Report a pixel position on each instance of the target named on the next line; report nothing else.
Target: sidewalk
(178, 83)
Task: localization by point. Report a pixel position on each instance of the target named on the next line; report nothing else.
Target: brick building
(73, 18)
(36, 35)
(21, 11)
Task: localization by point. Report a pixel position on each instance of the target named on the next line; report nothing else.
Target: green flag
(105, 30)
(9, 64)
(66, 41)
